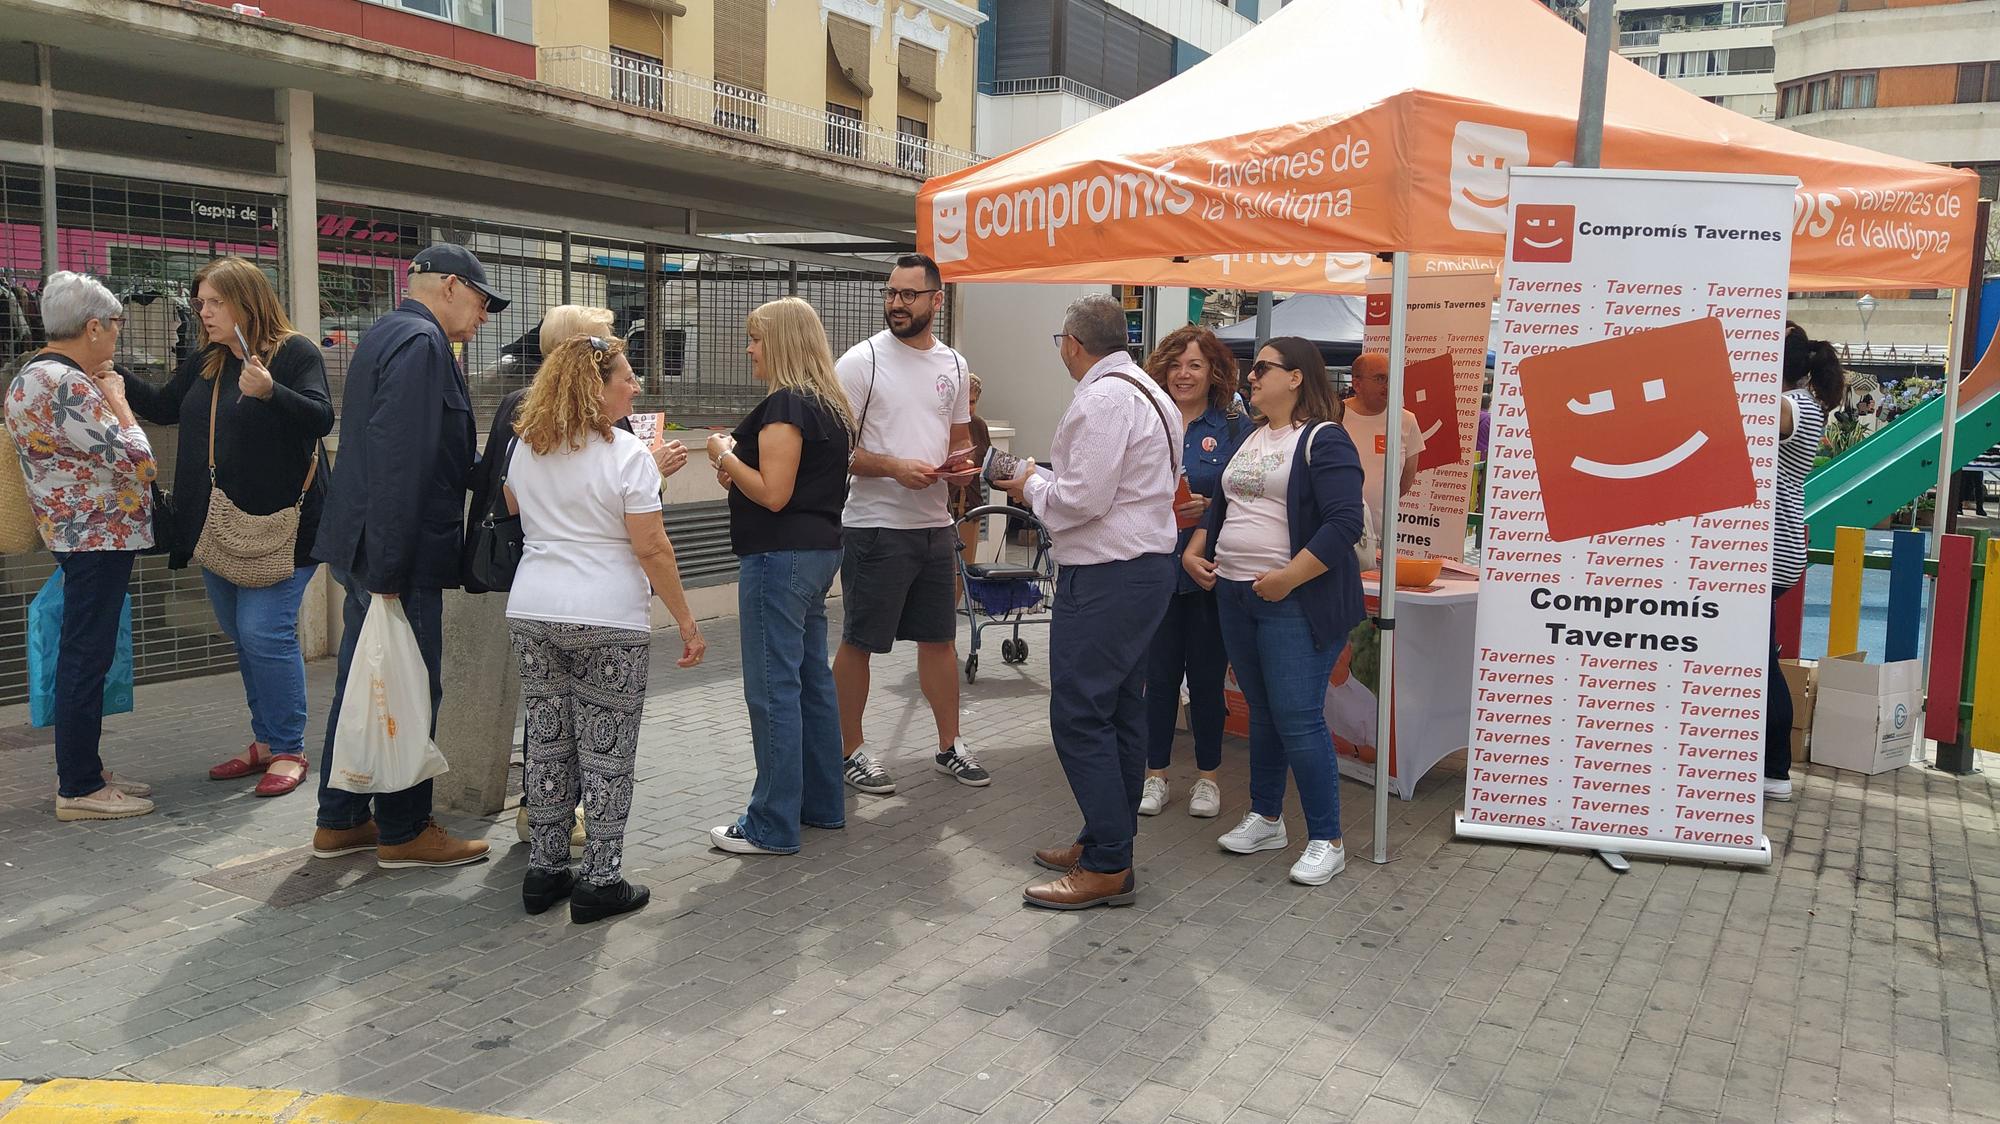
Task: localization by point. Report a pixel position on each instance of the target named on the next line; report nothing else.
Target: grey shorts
(897, 585)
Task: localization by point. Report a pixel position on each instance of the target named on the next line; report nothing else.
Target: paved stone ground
(890, 973)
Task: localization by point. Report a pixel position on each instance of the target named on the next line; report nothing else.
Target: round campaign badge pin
(1208, 444)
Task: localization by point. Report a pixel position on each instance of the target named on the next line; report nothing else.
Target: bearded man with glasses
(911, 397)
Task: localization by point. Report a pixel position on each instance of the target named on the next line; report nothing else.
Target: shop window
(843, 130)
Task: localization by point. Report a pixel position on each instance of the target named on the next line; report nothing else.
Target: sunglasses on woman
(1264, 367)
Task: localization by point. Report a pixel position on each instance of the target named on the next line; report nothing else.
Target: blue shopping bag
(45, 614)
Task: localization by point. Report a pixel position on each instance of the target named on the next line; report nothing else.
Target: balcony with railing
(644, 84)
(1053, 84)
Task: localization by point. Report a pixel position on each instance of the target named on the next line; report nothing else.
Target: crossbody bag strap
(312, 462)
(1173, 447)
(1312, 435)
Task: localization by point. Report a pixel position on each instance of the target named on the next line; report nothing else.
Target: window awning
(664, 7)
(851, 43)
(918, 70)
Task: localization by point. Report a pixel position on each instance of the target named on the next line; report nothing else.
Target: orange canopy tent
(1345, 128)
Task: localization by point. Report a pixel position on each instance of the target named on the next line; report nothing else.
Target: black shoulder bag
(497, 539)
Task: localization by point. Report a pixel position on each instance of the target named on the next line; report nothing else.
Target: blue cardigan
(1323, 505)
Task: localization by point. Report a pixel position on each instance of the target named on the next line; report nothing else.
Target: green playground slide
(1869, 482)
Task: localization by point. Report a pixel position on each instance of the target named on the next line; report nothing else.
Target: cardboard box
(1802, 680)
(1866, 716)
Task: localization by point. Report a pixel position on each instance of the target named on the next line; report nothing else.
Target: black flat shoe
(542, 889)
(595, 903)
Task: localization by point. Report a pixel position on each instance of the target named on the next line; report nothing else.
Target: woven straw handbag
(250, 551)
(19, 532)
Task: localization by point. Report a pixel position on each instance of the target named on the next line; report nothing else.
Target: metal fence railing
(647, 86)
(1054, 84)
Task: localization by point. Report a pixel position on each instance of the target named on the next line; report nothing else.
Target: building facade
(1916, 78)
(1045, 65)
(1721, 50)
(330, 140)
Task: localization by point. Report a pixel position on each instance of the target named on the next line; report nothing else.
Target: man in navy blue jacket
(394, 525)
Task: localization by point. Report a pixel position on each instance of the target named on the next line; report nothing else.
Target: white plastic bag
(383, 740)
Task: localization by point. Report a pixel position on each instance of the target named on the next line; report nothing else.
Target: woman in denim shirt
(1198, 372)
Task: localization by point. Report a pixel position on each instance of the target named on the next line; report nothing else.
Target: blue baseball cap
(457, 261)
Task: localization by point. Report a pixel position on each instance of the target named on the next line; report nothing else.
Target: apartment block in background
(1915, 78)
(884, 82)
(1721, 51)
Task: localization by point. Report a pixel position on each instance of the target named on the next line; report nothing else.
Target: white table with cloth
(1435, 638)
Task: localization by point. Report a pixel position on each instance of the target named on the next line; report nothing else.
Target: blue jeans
(1105, 617)
(788, 687)
(1189, 644)
(94, 587)
(399, 816)
(264, 625)
(1283, 678)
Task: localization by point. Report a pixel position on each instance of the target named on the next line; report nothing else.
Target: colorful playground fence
(1965, 625)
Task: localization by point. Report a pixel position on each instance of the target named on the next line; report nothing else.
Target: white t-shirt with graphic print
(1256, 535)
(915, 399)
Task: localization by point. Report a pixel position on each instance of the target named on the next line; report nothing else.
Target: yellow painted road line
(70, 1101)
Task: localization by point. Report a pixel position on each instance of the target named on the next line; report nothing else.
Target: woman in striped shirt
(1814, 384)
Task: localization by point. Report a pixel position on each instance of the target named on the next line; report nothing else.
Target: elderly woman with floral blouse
(89, 472)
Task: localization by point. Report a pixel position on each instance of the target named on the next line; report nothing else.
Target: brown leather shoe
(331, 844)
(431, 847)
(1059, 859)
(1081, 889)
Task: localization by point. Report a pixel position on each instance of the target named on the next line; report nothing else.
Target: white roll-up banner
(1625, 597)
(1444, 372)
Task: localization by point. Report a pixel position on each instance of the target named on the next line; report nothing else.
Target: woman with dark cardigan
(1278, 549)
(271, 407)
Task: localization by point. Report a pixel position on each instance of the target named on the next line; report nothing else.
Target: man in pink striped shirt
(1108, 506)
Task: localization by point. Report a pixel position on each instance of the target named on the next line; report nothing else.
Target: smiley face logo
(1480, 157)
(1376, 312)
(1636, 431)
(1430, 391)
(1544, 232)
(948, 240)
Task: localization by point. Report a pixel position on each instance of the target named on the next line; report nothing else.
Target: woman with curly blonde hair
(786, 470)
(580, 612)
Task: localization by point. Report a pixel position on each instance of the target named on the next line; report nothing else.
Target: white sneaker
(1153, 797)
(1206, 799)
(1780, 791)
(1255, 834)
(1322, 860)
(729, 837)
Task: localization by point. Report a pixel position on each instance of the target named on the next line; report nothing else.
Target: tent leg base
(1615, 861)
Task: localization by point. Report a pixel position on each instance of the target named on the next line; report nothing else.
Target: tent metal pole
(1263, 319)
(1392, 491)
(1596, 69)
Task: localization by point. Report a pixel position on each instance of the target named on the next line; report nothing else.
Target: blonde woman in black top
(786, 469)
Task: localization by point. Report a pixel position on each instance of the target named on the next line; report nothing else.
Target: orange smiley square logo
(1637, 430)
(1430, 391)
(1544, 232)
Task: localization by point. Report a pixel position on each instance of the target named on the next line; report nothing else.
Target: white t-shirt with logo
(577, 564)
(1256, 535)
(1371, 440)
(915, 399)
